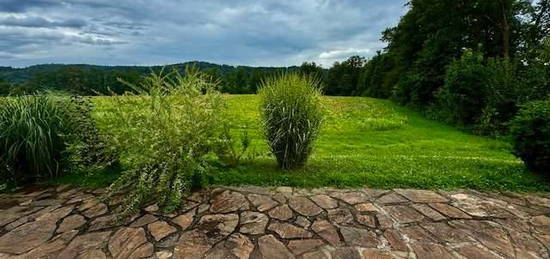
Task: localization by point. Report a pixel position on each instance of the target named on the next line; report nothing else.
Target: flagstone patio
(283, 222)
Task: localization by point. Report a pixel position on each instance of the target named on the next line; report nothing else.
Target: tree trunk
(505, 29)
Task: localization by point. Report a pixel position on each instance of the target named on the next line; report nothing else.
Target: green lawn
(374, 143)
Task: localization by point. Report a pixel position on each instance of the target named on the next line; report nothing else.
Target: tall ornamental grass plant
(292, 116)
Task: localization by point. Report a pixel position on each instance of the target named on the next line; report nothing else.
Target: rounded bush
(292, 115)
(530, 130)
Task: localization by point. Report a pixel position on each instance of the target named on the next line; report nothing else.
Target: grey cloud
(40, 22)
(16, 6)
(239, 32)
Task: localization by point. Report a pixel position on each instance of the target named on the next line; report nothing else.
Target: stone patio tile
(345, 253)
(375, 254)
(130, 243)
(262, 202)
(359, 237)
(404, 214)
(299, 247)
(271, 248)
(96, 210)
(340, 216)
(324, 201)
(423, 196)
(144, 220)
(304, 206)
(72, 222)
(184, 220)
(193, 244)
(351, 198)
(102, 223)
(315, 255)
(282, 212)
(252, 222)
(287, 230)
(228, 201)
(53, 247)
(431, 251)
(384, 221)
(428, 212)
(418, 234)
(218, 226)
(160, 230)
(446, 233)
(396, 240)
(476, 251)
(87, 246)
(449, 211)
(391, 198)
(366, 207)
(367, 220)
(327, 231)
(235, 246)
(26, 237)
(541, 223)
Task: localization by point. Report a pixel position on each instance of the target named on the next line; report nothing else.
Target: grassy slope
(371, 142)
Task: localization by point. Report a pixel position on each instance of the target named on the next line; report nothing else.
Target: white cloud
(341, 53)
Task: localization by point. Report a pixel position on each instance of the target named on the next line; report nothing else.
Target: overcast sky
(234, 32)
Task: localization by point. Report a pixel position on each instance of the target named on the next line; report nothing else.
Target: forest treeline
(100, 80)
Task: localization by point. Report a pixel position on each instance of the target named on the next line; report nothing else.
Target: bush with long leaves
(164, 134)
(292, 116)
(42, 136)
(33, 131)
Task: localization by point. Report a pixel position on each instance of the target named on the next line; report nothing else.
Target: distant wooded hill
(93, 79)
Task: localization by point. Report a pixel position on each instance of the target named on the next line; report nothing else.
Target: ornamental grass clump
(43, 136)
(165, 132)
(292, 116)
(32, 138)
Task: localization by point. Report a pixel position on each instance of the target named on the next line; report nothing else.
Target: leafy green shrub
(530, 130)
(504, 93)
(463, 96)
(89, 149)
(292, 116)
(165, 135)
(34, 131)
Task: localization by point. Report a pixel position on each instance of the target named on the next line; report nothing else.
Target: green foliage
(5, 87)
(505, 91)
(44, 136)
(531, 134)
(90, 152)
(228, 151)
(34, 131)
(311, 69)
(292, 116)
(100, 80)
(363, 142)
(373, 80)
(376, 143)
(464, 94)
(343, 78)
(164, 136)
